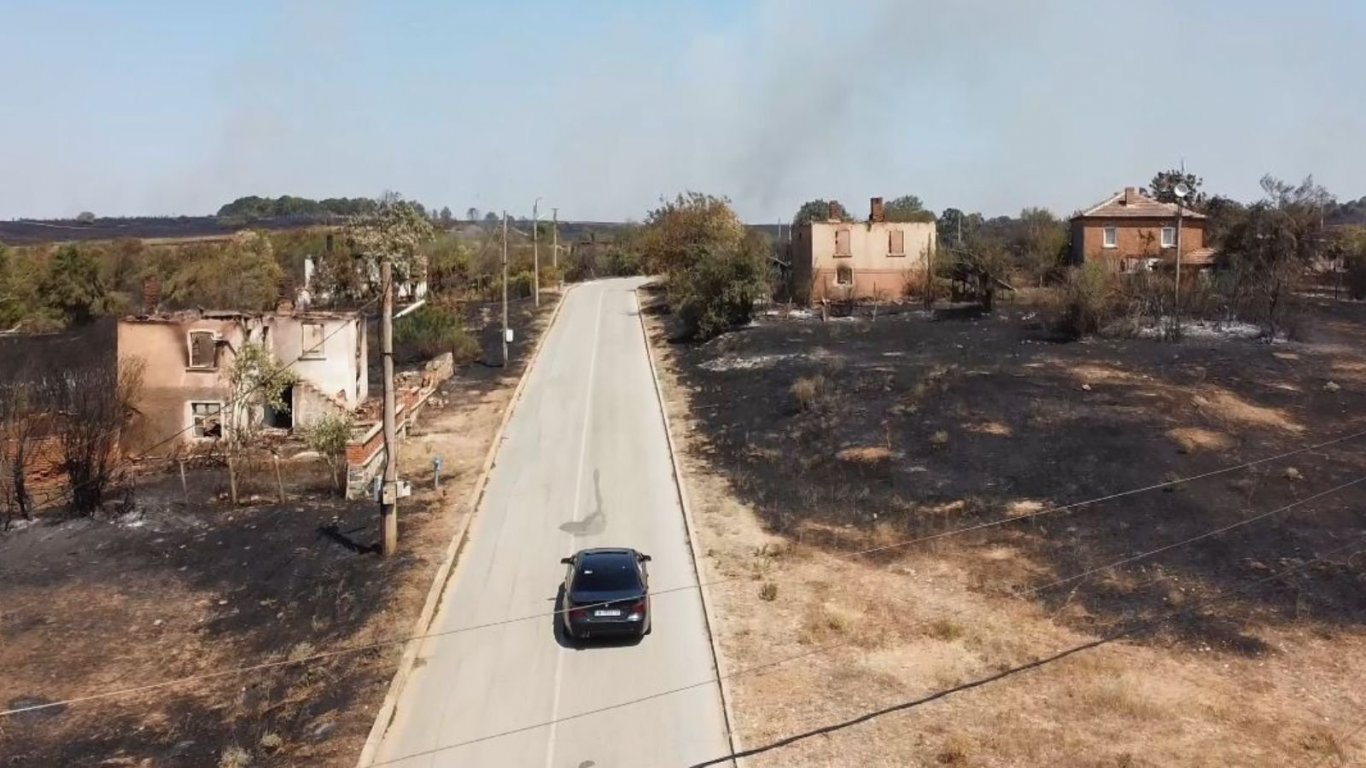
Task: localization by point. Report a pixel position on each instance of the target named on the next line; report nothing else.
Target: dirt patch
(905, 636)
(174, 590)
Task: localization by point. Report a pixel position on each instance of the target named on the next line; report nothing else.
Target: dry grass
(993, 428)
(1193, 439)
(1231, 409)
(808, 391)
(866, 454)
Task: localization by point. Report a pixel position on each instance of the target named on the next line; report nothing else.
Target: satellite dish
(1182, 189)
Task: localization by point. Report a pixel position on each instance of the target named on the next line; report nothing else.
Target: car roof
(606, 551)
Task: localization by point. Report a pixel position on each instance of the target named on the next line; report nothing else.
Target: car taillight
(637, 612)
(576, 614)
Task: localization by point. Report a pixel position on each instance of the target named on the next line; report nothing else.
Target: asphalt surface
(584, 463)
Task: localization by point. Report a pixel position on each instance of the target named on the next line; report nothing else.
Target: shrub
(1356, 275)
(328, 436)
(768, 592)
(1088, 300)
(624, 261)
(430, 331)
(519, 285)
(808, 391)
(718, 288)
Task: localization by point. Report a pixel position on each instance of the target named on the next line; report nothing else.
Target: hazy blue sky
(601, 106)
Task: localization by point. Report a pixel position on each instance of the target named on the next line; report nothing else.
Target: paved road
(584, 463)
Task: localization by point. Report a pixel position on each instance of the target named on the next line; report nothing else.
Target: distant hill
(32, 232)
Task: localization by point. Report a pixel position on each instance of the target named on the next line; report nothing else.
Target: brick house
(836, 259)
(1130, 231)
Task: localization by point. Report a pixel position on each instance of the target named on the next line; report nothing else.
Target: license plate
(607, 612)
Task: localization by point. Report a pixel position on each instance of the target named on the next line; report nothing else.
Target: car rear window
(609, 573)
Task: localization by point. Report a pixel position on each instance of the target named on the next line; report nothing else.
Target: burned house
(837, 259)
(186, 360)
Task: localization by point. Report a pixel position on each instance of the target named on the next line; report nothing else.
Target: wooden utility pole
(388, 495)
(535, 253)
(505, 289)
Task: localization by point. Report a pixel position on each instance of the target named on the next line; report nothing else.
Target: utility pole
(1176, 300)
(388, 495)
(505, 289)
(535, 254)
(555, 236)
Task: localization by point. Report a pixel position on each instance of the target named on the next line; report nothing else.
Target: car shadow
(563, 639)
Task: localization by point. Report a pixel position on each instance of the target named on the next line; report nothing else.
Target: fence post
(279, 481)
(184, 486)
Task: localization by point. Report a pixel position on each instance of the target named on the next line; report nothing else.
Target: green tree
(719, 288)
(445, 215)
(241, 274)
(1164, 184)
(907, 208)
(1223, 214)
(954, 226)
(819, 210)
(398, 231)
(680, 229)
(73, 285)
(328, 437)
(472, 214)
(1041, 241)
(449, 266)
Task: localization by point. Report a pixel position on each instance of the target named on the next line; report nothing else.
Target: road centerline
(574, 517)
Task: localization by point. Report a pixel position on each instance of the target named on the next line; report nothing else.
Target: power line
(1193, 539)
(458, 630)
(830, 646)
(689, 587)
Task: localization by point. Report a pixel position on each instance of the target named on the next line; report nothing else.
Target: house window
(313, 341)
(842, 243)
(202, 350)
(207, 419)
(1169, 237)
(896, 243)
(844, 276)
(1109, 238)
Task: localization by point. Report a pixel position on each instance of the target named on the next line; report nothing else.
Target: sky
(600, 107)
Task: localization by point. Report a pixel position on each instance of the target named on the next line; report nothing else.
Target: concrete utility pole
(535, 253)
(555, 236)
(388, 495)
(505, 289)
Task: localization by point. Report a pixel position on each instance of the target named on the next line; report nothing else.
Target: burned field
(808, 441)
(855, 434)
(163, 588)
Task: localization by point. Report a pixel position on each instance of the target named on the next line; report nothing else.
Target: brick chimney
(876, 213)
(151, 295)
(1131, 195)
(834, 212)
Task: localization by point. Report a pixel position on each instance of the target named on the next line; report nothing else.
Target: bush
(328, 436)
(519, 285)
(808, 391)
(431, 331)
(718, 288)
(1088, 300)
(1356, 275)
(624, 261)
